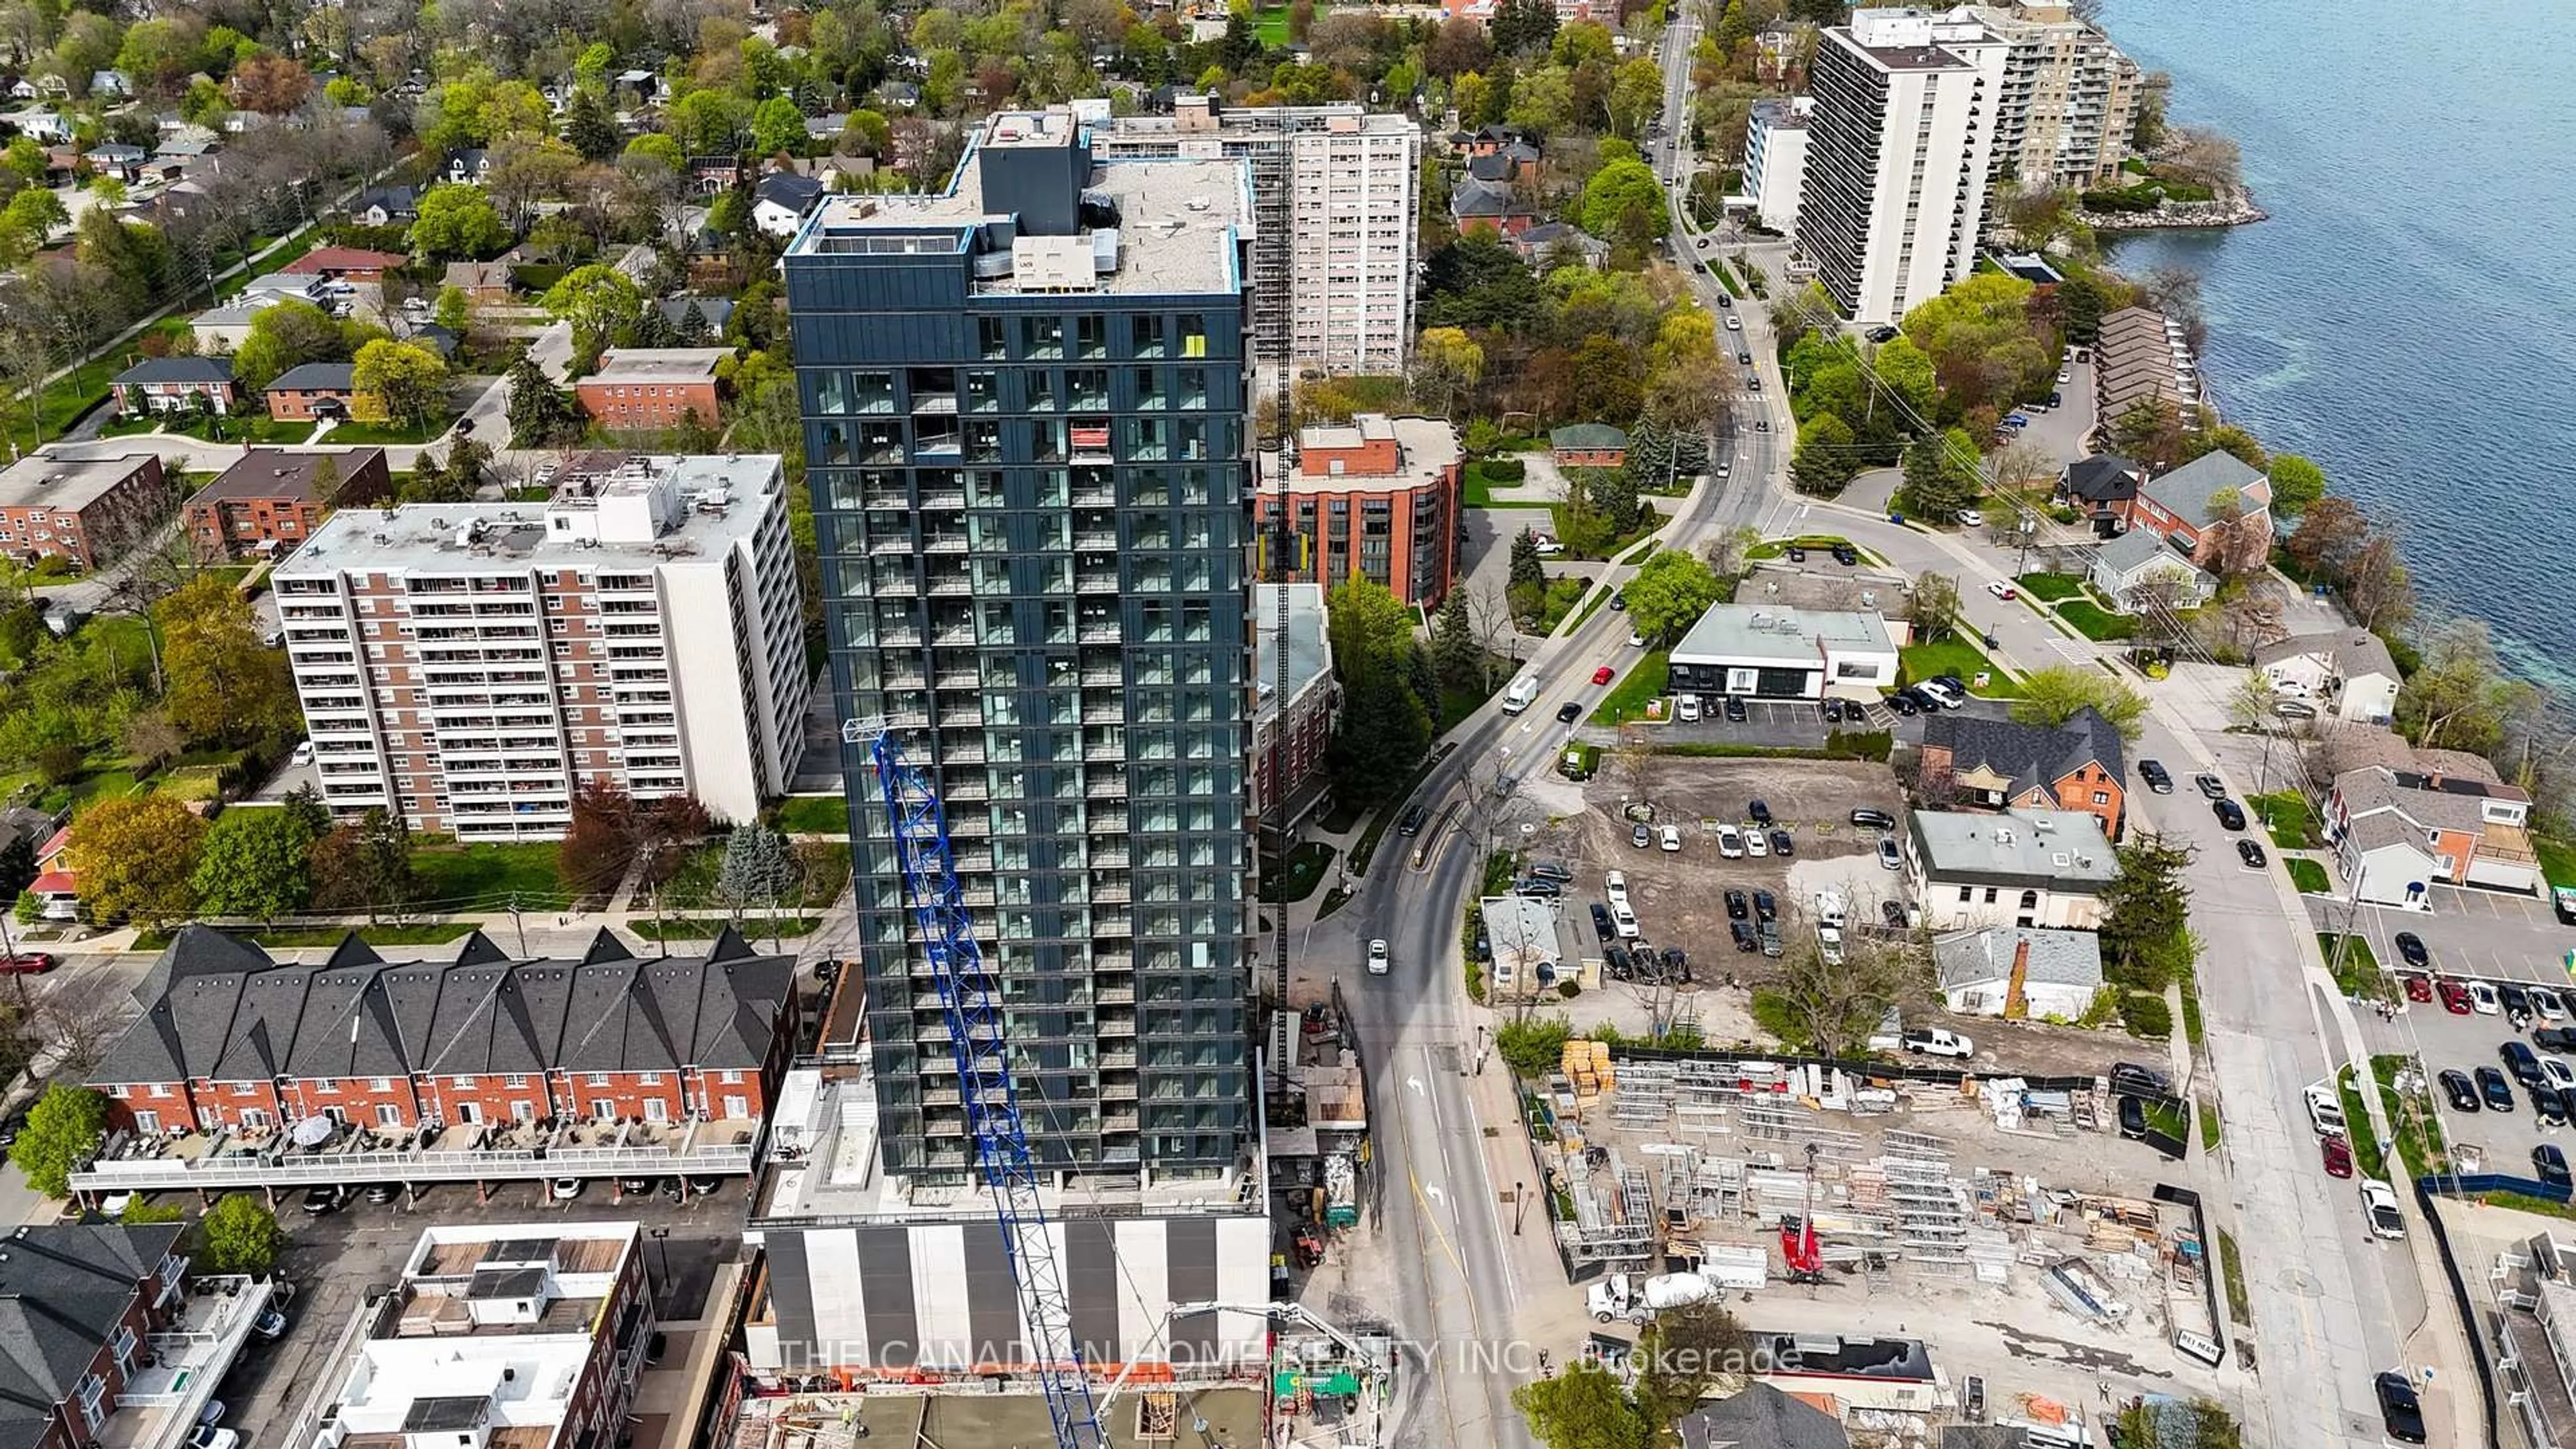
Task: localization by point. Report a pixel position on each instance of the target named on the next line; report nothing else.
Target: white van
(1522, 694)
(1829, 909)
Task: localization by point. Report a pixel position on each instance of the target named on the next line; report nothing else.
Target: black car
(2211, 786)
(2250, 853)
(1568, 712)
(1536, 887)
(1745, 358)
(1903, 703)
(1757, 811)
(1614, 959)
(1764, 907)
(1869, 819)
(1893, 913)
(2157, 779)
(2550, 1165)
(1724, 302)
(2522, 1061)
(1949, 682)
(2457, 1087)
(2131, 1078)
(1737, 906)
(2230, 814)
(1676, 964)
(2400, 1412)
(2133, 1117)
(1782, 845)
(2516, 1004)
(2410, 949)
(2550, 1105)
(329, 1198)
(1846, 555)
(2493, 1086)
(1601, 921)
(381, 1193)
(1484, 941)
(1735, 711)
(1556, 871)
(1743, 934)
(2554, 1038)
(1619, 602)
(1832, 710)
(1411, 824)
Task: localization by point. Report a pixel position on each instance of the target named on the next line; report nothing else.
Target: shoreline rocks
(2234, 209)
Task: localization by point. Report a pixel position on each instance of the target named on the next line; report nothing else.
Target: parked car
(1601, 920)
(1893, 912)
(1845, 554)
(2483, 997)
(2325, 1109)
(1869, 819)
(2250, 853)
(2133, 1118)
(565, 1189)
(1757, 843)
(2549, 1164)
(2557, 1073)
(1730, 842)
(2517, 1007)
(2457, 1087)
(2379, 1209)
(2522, 1061)
(1642, 837)
(1687, 711)
(2493, 1086)
(1377, 956)
(2546, 1003)
(1971, 518)
(2551, 1105)
(1614, 959)
(2455, 997)
(2401, 1414)
(1888, 856)
(1624, 921)
(1766, 907)
(2410, 949)
(1743, 934)
(1937, 1041)
(1556, 871)
(2338, 1157)
(2554, 1038)
(1673, 838)
(2419, 987)
(1781, 845)
(1735, 711)
(1903, 703)
(1758, 811)
(328, 1198)
(209, 1436)
(1736, 905)
(2130, 1077)
(2229, 813)
(27, 963)
(2158, 780)
(270, 1325)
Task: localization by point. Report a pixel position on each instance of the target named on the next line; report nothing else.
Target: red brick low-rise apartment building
(273, 499)
(79, 1303)
(231, 1041)
(648, 388)
(87, 510)
(1376, 497)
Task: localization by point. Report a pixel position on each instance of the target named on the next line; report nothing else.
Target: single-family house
(780, 201)
(436, 338)
(2447, 821)
(644, 83)
(56, 886)
(2047, 868)
(1588, 445)
(1760, 1416)
(110, 85)
(2019, 973)
(2348, 671)
(2001, 764)
(227, 327)
(826, 128)
(313, 390)
(386, 206)
(117, 159)
(900, 94)
(2128, 561)
(2101, 484)
(1528, 937)
(345, 264)
(715, 175)
(23, 89)
(2175, 505)
(481, 282)
(43, 126)
(1491, 205)
(713, 312)
(1550, 239)
(468, 165)
(167, 384)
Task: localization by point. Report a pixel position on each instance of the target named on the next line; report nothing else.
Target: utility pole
(520, 924)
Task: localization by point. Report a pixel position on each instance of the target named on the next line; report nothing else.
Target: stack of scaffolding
(1644, 1100)
(1614, 1210)
(1932, 1226)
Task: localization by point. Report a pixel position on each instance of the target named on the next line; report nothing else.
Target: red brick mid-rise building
(232, 1040)
(79, 1303)
(272, 500)
(1376, 497)
(88, 510)
(640, 389)
(1294, 735)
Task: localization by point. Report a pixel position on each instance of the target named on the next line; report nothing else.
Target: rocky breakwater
(2233, 208)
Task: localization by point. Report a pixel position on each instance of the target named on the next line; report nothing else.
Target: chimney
(2016, 1004)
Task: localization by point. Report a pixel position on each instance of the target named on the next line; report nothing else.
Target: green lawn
(1956, 655)
(2412, 1117)
(1271, 24)
(755, 927)
(487, 875)
(427, 933)
(1483, 490)
(389, 432)
(1455, 705)
(2209, 1124)
(1637, 555)
(1568, 528)
(2285, 813)
(1592, 604)
(2366, 1155)
(2308, 876)
(1627, 699)
(2557, 858)
(1561, 597)
(2359, 976)
(1305, 870)
(2097, 623)
(814, 815)
(2049, 588)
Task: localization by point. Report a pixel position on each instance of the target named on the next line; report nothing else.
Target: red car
(1601, 675)
(2338, 1156)
(2455, 997)
(33, 963)
(2418, 988)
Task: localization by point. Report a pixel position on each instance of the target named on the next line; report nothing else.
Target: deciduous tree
(2377, 586)
(367, 865)
(256, 863)
(136, 855)
(2331, 530)
(1933, 608)
(458, 221)
(1386, 724)
(225, 686)
(598, 300)
(408, 381)
(63, 1131)
(1582, 1407)
(239, 1235)
(2054, 695)
(1669, 593)
(2297, 484)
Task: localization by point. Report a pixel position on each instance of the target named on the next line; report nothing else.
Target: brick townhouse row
(230, 1039)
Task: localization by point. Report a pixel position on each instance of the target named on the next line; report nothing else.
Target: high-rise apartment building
(1334, 192)
(1899, 151)
(1775, 160)
(470, 665)
(2069, 99)
(1025, 432)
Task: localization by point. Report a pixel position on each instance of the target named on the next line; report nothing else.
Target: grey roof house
(1761, 1417)
(77, 1301)
(2020, 973)
(2000, 763)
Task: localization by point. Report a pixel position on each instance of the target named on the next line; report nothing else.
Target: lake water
(2404, 316)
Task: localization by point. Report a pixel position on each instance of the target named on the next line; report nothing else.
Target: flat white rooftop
(476, 537)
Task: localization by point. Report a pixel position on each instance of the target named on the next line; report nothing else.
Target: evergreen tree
(1454, 649)
(694, 330)
(540, 415)
(1528, 568)
(588, 128)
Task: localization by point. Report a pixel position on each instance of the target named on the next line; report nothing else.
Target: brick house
(88, 510)
(2444, 818)
(1989, 764)
(272, 500)
(2175, 506)
(1588, 445)
(230, 1039)
(1313, 706)
(78, 1304)
(345, 264)
(482, 282)
(313, 390)
(167, 383)
(648, 388)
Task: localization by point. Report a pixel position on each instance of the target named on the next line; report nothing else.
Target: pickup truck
(1938, 1042)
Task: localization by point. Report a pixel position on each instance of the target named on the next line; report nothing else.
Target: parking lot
(2473, 934)
(337, 1259)
(1791, 723)
(2443, 1040)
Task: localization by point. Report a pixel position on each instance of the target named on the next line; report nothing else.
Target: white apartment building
(1899, 153)
(2069, 99)
(1775, 160)
(1334, 192)
(469, 665)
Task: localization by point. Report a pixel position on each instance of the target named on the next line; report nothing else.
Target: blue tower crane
(971, 999)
